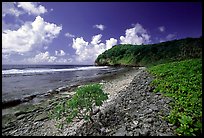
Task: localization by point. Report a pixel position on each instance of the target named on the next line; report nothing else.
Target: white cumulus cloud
(29, 36)
(59, 53)
(69, 35)
(81, 47)
(96, 39)
(11, 9)
(161, 28)
(136, 35)
(47, 58)
(32, 8)
(170, 36)
(64, 61)
(42, 58)
(99, 26)
(110, 43)
(88, 51)
(18, 8)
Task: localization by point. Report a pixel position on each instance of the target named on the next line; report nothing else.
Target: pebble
(144, 132)
(156, 96)
(135, 123)
(148, 111)
(153, 107)
(102, 129)
(149, 120)
(120, 132)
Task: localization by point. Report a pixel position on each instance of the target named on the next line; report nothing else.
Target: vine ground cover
(182, 81)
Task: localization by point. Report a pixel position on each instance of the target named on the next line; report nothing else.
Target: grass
(182, 81)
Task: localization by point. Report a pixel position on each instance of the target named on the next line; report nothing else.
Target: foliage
(152, 54)
(182, 81)
(81, 104)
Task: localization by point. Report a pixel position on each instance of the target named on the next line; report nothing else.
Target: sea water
(19, 81)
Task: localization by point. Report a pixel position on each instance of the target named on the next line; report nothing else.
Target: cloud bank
(18, 8)
(32, 8)
(88, 51)
(31, 35)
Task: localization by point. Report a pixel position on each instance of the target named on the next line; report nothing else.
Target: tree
(82, 103)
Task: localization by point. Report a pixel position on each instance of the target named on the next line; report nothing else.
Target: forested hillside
(152, 54)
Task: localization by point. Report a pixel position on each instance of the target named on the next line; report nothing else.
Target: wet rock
(41, 117)
(8, 121)
(21, 116)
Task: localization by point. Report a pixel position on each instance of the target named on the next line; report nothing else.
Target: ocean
(21, 81)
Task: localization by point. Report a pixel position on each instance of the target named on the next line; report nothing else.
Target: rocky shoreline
(132, 109)
(135, 112)
(69, 87)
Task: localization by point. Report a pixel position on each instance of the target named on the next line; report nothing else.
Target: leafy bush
(183, 82)
(81, 104)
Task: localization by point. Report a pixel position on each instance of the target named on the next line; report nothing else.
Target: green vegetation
(81, 104)
(177, 67)
(183, 82)
(152, 54)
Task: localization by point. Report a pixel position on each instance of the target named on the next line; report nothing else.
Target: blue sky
(77, 32)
